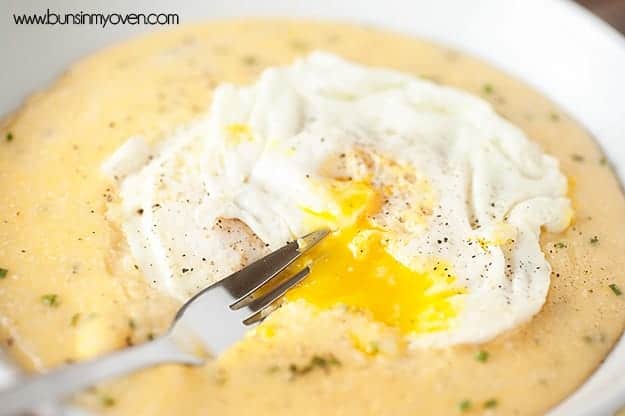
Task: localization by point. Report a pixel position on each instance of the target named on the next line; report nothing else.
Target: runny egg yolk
(353, 268)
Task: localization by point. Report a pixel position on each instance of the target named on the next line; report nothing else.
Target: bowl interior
(555, 45)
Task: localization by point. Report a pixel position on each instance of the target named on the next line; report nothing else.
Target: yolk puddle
(352, 267)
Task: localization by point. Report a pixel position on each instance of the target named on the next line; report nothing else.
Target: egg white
(463, 185)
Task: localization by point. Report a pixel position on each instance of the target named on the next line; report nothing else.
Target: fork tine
(245, 283)
(278, 291)
(263, 304)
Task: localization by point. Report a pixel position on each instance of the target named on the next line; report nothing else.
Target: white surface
(566, 53)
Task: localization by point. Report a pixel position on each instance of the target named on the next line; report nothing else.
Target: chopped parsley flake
(603, 161)
(491, 403)
(615, 289)
(594, 240)
(324, 362)
(3, 273)
(488, 88)
(75, 319)
(107, 401)
(464, 405)
(273, 369)
(250, 60)
(299, 45)
(577, 157)
(9, 137)
(560, 244)
(51, 300)
(221, 378)
(482, 356)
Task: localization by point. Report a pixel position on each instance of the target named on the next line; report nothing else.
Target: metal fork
(216, 318)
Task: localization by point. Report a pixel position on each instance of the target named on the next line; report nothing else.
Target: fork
(216, 318)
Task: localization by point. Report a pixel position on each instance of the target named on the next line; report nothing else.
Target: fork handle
(72, 378)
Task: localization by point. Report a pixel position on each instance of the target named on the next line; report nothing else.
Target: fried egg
(436, 203)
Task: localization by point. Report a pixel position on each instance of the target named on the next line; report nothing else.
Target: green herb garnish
(250, 60)
(75, 319)
(559, 244)
(594, 240)
(9, 137)
(488, 88)
(51, 300)
(299, 45)
(615, 289)
(464, 405)
(482, 356)
(107, 401)
(324, 362)
(221, 377)
(3, 273)
(489, 404)
(374, 348)
(273, 369)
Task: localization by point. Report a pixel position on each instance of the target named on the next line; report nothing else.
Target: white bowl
(562, 50)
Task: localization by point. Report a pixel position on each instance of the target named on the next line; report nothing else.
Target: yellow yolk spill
(352, 267)
(239, 132)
